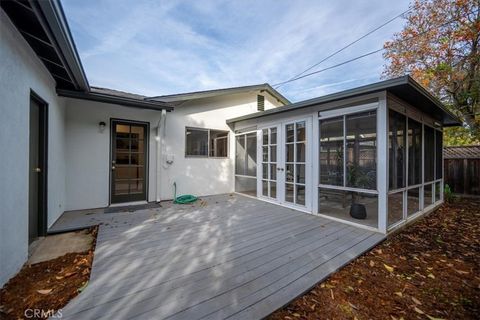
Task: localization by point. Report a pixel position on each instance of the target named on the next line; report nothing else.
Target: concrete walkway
(227, 256)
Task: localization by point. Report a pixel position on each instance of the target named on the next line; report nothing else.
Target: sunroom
(369, 156)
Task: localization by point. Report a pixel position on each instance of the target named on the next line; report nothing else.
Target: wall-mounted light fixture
(101, 126)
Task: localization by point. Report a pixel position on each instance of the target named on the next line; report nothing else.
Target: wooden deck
(227, 256)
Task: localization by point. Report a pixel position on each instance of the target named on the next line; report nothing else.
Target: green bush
(448, 194)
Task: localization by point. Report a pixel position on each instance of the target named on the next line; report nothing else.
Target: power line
(365, 55)
(349, 45)
(328, 68)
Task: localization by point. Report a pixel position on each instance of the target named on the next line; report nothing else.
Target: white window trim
(208, 143)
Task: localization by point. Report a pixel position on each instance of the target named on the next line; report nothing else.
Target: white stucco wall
(203, 176)
(88, 151)
(20, 72)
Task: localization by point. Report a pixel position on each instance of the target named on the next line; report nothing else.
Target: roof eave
(103, 98)
(220, 92)
(454, 121)
(54, 21)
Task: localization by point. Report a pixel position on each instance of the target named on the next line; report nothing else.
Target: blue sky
(165, 47)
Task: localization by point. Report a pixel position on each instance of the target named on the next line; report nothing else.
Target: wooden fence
(463, 176)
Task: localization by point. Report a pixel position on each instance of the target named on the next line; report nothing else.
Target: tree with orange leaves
(439, 47)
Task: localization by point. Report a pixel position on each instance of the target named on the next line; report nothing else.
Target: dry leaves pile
(431, 270)
(46, 285)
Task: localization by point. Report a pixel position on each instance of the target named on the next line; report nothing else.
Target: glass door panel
(128, 162)
(295, 162)
(269, 162)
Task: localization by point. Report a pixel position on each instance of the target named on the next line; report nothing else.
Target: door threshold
(125, 204)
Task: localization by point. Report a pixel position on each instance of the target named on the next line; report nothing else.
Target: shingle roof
(404, 87)
(462, 152)
(117, 93)
(218, 92)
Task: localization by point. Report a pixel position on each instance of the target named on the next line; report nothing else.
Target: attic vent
(260, 103)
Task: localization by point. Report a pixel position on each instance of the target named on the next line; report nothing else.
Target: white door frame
(280, 181)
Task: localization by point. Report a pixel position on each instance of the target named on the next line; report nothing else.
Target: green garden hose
(184, 199)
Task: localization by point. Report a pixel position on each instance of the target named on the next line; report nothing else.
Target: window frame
(424, 120)
(344, 112)
(208, 143)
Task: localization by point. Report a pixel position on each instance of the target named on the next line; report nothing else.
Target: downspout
(160, 139)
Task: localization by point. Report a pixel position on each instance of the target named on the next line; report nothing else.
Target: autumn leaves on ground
(46, 286)
(431, 270)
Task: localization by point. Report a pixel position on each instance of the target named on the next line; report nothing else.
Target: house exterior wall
(203, 176)
(20, 72)
(88, 151)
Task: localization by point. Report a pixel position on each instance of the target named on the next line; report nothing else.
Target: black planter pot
(358, 211)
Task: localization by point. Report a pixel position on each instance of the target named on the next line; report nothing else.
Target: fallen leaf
(416, 301)
(433, 318)
(430, 275)
(69, 274)
(331, 293)
(83, 287)
(59, 277)
(399, 294)
(418, 310)
(44, 291)
(372, 264)
(390, 269)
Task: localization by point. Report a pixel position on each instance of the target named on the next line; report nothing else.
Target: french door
(285, 167)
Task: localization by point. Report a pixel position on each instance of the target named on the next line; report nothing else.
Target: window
(396, 148)
(246, 154)
(331, 151)
(348, 161)
(218, 143)
(395, 208)
(269, 162)
(340, 204)
(361, 142)
(414, 152)
(246, 163)
(414, 168)
(413, 201)
(206, 142)
(260, 103)
(429, 153)
(427, 195)
(358, 167)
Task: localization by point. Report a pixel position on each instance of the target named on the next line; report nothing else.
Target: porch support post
(382, 162)
(315, 143)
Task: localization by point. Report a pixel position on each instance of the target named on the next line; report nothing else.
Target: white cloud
(156, 48)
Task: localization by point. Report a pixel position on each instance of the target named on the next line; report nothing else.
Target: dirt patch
(431, 270)
(47, 286)
(57, 245)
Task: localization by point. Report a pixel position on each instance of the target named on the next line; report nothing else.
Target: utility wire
(349, 45)
(366, 54)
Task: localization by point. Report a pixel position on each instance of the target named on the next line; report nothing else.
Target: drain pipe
(160, 139)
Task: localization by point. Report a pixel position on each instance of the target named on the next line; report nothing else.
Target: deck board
(226, 257)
